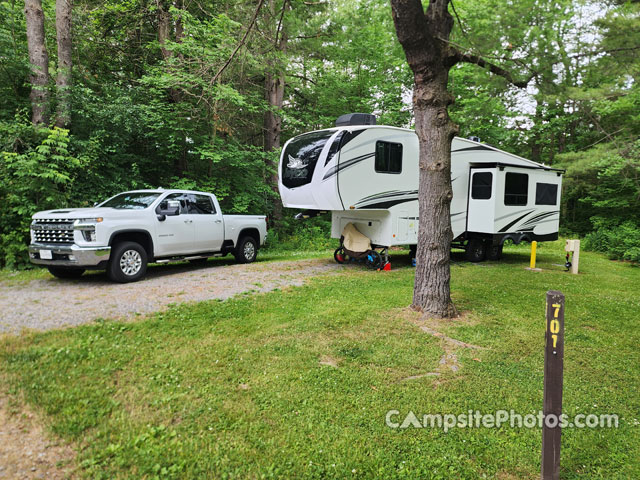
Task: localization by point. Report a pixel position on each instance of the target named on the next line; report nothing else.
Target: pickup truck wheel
(247, 250)
(61, 272)
(128, 262)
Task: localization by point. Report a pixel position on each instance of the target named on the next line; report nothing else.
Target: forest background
(98, 97)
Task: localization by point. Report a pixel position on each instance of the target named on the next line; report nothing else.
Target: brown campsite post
(553, 366)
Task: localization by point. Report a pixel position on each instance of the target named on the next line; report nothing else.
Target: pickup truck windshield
(131, 201)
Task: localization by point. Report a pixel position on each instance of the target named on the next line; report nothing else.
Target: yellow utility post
(532, 263)
(534, 247)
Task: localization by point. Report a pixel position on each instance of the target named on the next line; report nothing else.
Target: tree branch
(240, 44)
(495, 69)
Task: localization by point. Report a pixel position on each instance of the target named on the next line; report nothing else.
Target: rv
(367, 175)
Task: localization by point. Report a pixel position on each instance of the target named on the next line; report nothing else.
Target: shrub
(37, 179)
(620, 243)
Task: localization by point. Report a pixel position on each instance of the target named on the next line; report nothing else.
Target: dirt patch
(449, 360)
(329, 361)
(49, 303)
(27, 451)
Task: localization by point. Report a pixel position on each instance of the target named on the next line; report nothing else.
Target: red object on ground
(340, 258)
(387, 267)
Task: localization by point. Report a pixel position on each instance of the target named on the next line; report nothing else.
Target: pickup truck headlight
(88, 227)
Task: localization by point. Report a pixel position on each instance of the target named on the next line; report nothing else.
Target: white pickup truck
(134, 228)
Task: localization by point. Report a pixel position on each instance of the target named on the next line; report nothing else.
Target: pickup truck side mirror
(168, 208)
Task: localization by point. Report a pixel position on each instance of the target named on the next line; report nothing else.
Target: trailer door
(481, 200)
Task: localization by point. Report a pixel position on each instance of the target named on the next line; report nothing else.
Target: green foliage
(313, 234)
(620, 242)
(39, 178)
(188, 114)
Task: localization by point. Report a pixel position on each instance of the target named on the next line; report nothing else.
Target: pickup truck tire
(62, 272)
(246, 251)
(128, 262)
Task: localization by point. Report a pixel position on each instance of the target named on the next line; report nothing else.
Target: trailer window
(516, 188)
(301, 156)
(388, 157)
(481, 185)
(546, 194)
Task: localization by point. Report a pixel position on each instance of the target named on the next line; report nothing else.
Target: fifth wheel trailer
(367, 175)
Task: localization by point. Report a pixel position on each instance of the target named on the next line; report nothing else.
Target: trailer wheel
(475, 250)
(374, 260)
(494, 252)
(339, 255)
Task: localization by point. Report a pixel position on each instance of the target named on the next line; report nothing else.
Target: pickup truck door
(209, 225)
(176, 234)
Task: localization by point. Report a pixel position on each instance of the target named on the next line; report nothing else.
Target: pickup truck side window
(201, 205)
(181, 197)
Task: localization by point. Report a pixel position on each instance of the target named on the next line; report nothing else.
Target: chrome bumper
(69, 256)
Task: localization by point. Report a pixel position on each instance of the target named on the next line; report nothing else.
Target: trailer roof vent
(355, 119)
(474, 139)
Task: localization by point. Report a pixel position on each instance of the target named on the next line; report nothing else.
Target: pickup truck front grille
(53, 230)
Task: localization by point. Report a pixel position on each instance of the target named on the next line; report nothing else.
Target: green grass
(237, 388)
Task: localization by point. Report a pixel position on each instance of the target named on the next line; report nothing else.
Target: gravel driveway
(53, 303)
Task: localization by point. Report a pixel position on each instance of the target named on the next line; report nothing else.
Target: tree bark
(165, 27)
(430, 60)
(63, 80)
(274, 95)
(424, 37)
(39, 60)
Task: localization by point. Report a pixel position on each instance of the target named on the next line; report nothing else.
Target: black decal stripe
(396, 199)
(376, 195)
(394, 193)
(387, 195)
(514, 213)
(511, 224)
(538, 218)
(350, 136)
(349, 163)
(543, 221)
(542, 215)
(385, 205)
(478, 147)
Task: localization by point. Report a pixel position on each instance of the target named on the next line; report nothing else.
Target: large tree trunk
(424, 36)
(435, 131)
(428, 56)
(274, 95)
(165, 26)
(63, 80)
(39, 61)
